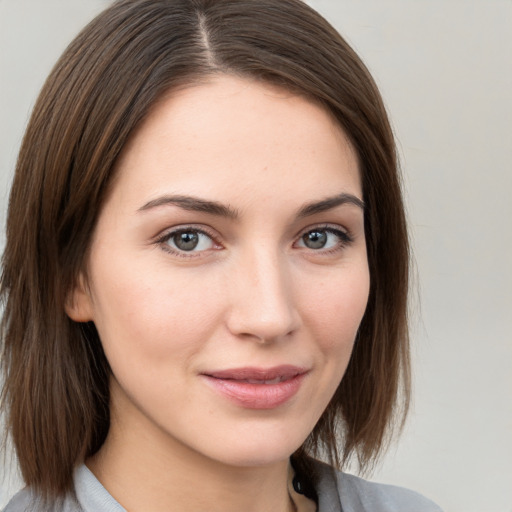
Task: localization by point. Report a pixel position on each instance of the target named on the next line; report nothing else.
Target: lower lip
(257, 396)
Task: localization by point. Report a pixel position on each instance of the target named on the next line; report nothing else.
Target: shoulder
(341, 492)
(27, 500)
(88, 495)
(21, 502)
(382, 497)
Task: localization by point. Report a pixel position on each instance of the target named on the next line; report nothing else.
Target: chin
(256, 458)
(258, 447)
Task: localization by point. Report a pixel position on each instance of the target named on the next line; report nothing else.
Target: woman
(205, 276)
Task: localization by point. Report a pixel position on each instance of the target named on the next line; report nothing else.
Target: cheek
(333, 312)
(337, 306)
(145, 316)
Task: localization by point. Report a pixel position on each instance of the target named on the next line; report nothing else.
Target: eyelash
(345, 239)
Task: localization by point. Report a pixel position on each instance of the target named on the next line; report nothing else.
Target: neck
(176, 478)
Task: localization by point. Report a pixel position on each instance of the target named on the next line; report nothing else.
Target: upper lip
(282, 372)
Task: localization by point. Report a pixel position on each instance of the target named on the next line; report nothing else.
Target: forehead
(232, 134)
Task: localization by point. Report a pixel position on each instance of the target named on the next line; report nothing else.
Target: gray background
(444, 68)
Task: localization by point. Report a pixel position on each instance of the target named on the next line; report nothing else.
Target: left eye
(189, 240)
(322, 239)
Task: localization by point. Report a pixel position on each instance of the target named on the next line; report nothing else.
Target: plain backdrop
(445, 70)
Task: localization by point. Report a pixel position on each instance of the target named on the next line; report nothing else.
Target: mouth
(257, 388)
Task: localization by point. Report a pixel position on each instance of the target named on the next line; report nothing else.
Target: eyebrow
(194, 204)
(197, 204)
(329, 203)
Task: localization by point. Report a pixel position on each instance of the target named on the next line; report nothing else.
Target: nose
(262, 305)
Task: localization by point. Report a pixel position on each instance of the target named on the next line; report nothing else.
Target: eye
(187, 240)
(323, 239)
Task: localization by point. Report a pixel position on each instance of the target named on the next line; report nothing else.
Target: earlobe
(78, 304)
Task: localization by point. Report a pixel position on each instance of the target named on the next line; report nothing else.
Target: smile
(256, 388)
(277, 380)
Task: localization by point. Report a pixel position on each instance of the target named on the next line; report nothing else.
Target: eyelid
(333, 228)
(342, 232)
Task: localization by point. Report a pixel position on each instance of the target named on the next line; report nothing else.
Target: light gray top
(337, 492)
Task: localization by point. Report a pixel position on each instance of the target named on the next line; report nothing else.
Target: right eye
(187, 240)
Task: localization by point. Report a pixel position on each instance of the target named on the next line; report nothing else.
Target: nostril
(260, 330)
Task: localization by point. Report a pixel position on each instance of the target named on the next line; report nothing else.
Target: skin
(252, 293)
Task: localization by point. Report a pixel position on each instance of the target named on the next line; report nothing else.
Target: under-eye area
(193, 241)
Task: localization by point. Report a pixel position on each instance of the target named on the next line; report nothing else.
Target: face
(228, 274)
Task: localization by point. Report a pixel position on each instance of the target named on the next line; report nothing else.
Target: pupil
(186, 241)
(315, 239)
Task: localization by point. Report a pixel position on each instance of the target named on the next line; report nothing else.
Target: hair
(56, 377)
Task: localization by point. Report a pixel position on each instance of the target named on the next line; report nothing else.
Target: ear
(78, 304)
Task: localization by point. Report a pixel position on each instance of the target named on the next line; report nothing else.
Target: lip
(257, 388)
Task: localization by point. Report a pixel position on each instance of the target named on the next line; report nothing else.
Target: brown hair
(56, 394)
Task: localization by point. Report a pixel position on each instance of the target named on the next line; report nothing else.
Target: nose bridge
(262, 301)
